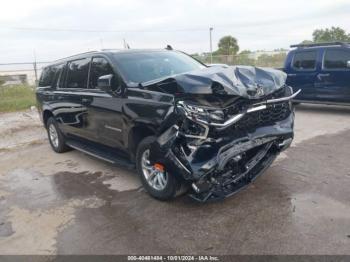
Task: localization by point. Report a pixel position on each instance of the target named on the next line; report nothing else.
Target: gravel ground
(74, 204)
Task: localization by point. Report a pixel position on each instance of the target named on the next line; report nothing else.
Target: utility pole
(211, 45)
(35, 68)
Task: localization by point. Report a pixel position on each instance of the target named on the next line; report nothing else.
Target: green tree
(275, 60)
(330, 35)
(243, 58)
(306, 42)
(228, 45)
(245, 52)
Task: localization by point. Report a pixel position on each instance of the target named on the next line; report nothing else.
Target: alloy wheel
(154, 177)
(53, 135)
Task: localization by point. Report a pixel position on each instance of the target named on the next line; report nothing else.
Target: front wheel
(157, 181)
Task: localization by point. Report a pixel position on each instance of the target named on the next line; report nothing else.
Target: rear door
(333, 81)
(70, 112)
(302, 73)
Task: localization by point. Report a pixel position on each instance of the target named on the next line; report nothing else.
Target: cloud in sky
(59, 28)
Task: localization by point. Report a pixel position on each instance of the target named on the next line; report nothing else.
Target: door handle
(291, 74)
(85, 100)
(323, 75)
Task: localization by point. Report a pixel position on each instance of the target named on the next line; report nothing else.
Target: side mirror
(348, 64)
(105, 82)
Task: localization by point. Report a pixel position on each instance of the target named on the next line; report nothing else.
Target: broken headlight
(202, 114)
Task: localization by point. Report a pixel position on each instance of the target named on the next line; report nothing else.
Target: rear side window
(99, 67)
(58, 74)
(336, 59)
(47, 76)
(305, 60)
(77, 73)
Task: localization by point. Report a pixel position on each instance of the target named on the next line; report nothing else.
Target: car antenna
(169, 47)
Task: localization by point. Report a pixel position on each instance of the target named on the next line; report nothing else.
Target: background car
(321, 71)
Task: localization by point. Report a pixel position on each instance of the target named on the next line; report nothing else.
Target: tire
(163, 191)
(56, 138)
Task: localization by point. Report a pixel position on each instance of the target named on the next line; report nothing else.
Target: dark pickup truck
(321, 72)
(182, 124)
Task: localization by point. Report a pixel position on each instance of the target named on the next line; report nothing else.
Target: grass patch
(17, 97)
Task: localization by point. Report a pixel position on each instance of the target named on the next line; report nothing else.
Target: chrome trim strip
(113, 128)
(257, 108)
(227, 123)
(271, 101)
(285, 142)
(82, 93)
(236, 118)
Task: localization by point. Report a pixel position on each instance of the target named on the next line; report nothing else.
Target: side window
(336, 59)
(77, 73)
(99, 67)
(305, 60)
(47, 76)
(58, 74)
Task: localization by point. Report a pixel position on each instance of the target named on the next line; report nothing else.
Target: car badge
(259, 90)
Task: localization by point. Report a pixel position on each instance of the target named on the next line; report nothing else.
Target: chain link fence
(29, 72)
(273, 59)
(20, 73)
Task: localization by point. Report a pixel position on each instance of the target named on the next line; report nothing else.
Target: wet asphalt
(74, 204)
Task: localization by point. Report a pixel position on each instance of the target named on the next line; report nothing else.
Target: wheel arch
(46, 115)
(136, 135)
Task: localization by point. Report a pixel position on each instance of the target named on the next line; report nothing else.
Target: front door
(104, 118)
(333, 82)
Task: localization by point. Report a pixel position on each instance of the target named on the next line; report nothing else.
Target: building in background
(13, 79)
(13, 74)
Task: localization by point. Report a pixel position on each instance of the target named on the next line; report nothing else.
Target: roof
(326, 44)
(106, 51)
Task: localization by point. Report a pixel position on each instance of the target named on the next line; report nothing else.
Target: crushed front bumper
(218, 166)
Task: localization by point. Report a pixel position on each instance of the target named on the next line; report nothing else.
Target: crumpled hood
(244, 81)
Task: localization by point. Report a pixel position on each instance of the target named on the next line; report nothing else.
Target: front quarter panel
(144, 108)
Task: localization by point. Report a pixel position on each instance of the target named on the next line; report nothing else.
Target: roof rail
(75, 55)
(112, 49)
(321, 44)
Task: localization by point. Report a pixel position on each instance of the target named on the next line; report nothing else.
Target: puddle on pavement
(5, 229)
(285, 209)
(32, 190)
(35, 208)
(281, 206)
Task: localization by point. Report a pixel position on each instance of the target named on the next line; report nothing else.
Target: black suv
(210, 130)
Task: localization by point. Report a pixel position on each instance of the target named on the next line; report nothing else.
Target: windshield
(139, 67)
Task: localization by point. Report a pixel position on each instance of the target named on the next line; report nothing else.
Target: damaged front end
(220, 142)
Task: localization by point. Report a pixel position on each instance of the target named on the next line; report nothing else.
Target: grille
(242, 104)
(273, 113)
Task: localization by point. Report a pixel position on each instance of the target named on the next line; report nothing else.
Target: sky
(50, 30)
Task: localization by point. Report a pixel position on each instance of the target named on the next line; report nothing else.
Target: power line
(124, 31)
(105, 31)
(23, 63)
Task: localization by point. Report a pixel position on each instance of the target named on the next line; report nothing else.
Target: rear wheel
(155, 179)
(56, 138)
